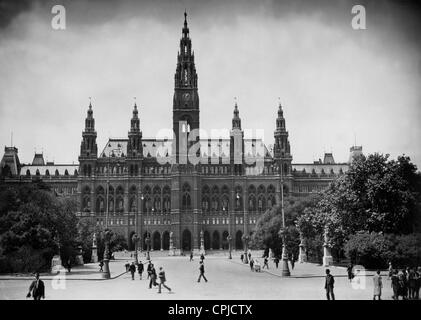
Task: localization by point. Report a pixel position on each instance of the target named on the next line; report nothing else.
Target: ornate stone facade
(141, 185)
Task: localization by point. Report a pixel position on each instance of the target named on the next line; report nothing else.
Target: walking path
(228, 279)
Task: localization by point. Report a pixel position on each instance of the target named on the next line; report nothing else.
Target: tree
(266, 233)
(376, 195)
(376, 250)
(33, 222)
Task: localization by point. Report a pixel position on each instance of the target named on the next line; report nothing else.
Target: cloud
(333, 81)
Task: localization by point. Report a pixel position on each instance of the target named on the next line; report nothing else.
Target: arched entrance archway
(166, 240)
(130, 243)
(156, 241)
(238, 240)
(215, 240)
(144, 241)
(186, 240)
(207, 240)
(225, 244)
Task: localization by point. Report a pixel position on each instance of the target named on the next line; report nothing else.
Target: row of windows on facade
(308, 188)
(157, 202)
(65, 190)
(213, 221)
(47, 173)
(322, 172)
(214, 205)
(165, 170)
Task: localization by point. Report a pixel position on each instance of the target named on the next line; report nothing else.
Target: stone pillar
(94, 257)
(302, 257)
(56, 265)
(171, 251)
(202, 243)
(327, 256)
(79, 257)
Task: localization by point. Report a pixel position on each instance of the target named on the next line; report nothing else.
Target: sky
(338, 86)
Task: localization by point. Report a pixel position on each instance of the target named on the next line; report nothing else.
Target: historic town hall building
(183, 185)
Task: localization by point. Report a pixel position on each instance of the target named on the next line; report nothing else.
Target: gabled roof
(38, 160)
(117, 147)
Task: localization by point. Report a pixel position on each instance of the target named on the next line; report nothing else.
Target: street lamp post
(142, 220)
(285, 268)
(107, 236)
(135, 240)
(107, 232)
(245, 236)
(229, 238)
(148, 238)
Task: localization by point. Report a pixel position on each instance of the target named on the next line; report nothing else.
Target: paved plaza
(228, 279)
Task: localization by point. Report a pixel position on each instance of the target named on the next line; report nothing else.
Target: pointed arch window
(186, 200)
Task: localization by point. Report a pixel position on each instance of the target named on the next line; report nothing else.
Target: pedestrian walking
(329, 284)
(242, 257)
(350, 272)
(127, 265)
(251, 264)
(152, 277)
(403, 286)
(417, 290)
(101, 264)
(265, 263)
(276, 261)
(202, 272)
(292, 261)
(140, 269)
(202, 257)
(412, 283)
(162, 280)
(69, 265)
(132, 269)
(395, 284)
(249, 254)
(36, 289)
(191, 256)
(378, 285)
(149, 269)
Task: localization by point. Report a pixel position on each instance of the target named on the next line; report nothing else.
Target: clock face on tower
(186, 97)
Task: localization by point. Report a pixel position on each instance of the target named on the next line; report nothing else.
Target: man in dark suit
(132, 269)
(329, 285)
(37, 288)
(202, 272)
(152, 277)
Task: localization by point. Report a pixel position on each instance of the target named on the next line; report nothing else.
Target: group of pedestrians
(255, 264)
(152, 274)
(406, 283)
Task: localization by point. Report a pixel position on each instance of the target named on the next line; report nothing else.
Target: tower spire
(282, 146)
(135, 123)
(134, 146)
(88, 148)
(236, 121)
(186, 97)
(185, 28)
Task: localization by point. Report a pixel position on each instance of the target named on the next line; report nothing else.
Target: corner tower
(88, 147)
(282, 149)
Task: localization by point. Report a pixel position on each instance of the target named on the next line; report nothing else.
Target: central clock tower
(186, 98)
